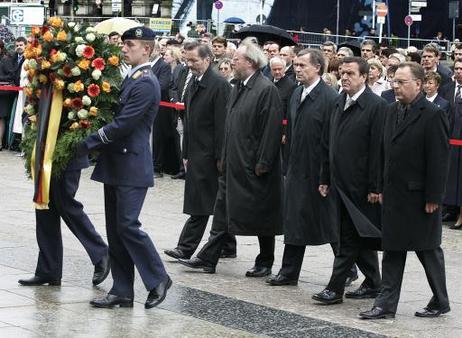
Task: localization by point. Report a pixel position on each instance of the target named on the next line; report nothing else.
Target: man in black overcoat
(351, 157)
(249, 198)
(415, 165)
(204, 125)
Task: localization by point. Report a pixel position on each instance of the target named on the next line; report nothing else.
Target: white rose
(79, 50)
(76, 71)
(71, 24)
(76, 28)
(90, 37)
(71, 115)
(79, 39)
(90, 29)
(82, 114)
(86, 100)
(29, 109)
(70, 88)
(96, 74)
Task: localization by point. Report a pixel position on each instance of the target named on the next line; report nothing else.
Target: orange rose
(58, 84)
(84, 64)
(74, 126)
(48, 36)
(78, 86)
(93, 111)
(106, 87)
(62, 36)
(55, 22)
(45, 64)
(113, 60)
(35, 30)
(43, 79)
(67, 102)
(28, 91)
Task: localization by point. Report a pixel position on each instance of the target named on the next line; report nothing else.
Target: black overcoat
(252, 139)
(415, 168)
(204, 124)
(354, 152)
(308, 217)
(454, 183)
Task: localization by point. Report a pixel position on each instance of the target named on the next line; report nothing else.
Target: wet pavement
(225, 304)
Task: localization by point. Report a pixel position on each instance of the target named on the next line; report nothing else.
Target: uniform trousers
(129, 245)
(48, 229)
(352, 249)
(192, 234)
(393, 263)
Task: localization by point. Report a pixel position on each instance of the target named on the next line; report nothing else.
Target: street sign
(218, 4)
(382, 9)
(419, 3)
(416, 17)
(408, 20)
(381, 19)
(453, 9)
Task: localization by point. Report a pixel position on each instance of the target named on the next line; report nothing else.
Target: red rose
(45, 29)
(85, 124)
(67, 71)
(76, 103)
(93, 90)
(88, 52)
(98, 63)
(53, 52)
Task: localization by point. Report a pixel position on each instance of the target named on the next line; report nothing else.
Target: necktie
(401, 116)
(304, 95)
(348, 103)
(188, 78)
(457, 96)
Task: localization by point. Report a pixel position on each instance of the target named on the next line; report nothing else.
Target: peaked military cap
(139, 33)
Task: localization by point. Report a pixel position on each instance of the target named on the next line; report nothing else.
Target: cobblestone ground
(224, 304)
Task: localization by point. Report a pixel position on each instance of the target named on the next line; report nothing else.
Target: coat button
(124, 150)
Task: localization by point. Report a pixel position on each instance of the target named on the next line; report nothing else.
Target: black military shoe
(258, 271)
(102, 269)
(328, 297)
(36, 281)
(362, 292)
(431, 313)
(376, 313)
(110, 301)
(280, 279)
(197, 263)
(158, 294)
(177, 254)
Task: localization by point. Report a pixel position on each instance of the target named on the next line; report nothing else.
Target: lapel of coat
(413, 115)
(238, 93)
(195, 89)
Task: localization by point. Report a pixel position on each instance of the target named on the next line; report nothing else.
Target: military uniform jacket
(352, 166)
(204, 125)
(308, 217)
(253, 132)
(125, 155)
(415, 168)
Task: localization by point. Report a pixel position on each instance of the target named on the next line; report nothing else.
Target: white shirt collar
(153, 62)
(308, 89)
(358, 94)
(431, 98)
(133, 70)
(247, 80)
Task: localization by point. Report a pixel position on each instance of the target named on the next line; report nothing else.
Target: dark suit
(166, 150)
(446, 75)
(442, 103)
(415, 167)
(389, 96)
(351, 169)
(125, 167)
(204, 122)
(48, 229)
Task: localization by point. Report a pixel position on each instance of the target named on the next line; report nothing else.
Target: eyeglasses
(399, 82)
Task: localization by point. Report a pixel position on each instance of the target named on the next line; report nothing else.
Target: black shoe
(456, 227)
(102, 269)
(36, 281)
(431, 313)
(376, 313)
(328, 297)
(110, 301)
(350, 280)
(158, 294)
(158, 174)
(180, 176)
(258, 271)
(449, 217)
(279, 280)
(228, 255)
(177, 254)
(362, 292)
(197, 263)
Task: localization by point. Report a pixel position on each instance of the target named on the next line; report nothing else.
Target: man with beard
(415, 166)
(350, 172)
(249, 195)
(204, 122)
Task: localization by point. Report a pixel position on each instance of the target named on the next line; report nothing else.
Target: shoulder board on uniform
(146, 72)
(137, 74)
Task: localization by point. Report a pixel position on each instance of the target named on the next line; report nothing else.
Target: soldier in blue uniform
(125, 167)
